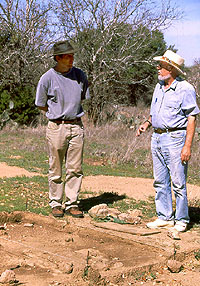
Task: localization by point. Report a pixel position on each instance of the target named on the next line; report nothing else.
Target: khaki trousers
(65, 143)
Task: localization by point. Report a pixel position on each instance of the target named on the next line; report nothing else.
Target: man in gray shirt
(59, 93)
(172, 116)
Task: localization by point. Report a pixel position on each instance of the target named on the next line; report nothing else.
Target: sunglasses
(161, 65)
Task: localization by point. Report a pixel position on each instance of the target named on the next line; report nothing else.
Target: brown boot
(57, 212)
(75, 212)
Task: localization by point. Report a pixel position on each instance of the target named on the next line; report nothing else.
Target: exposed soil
(44, 251)
(137, 188)
(12, 171)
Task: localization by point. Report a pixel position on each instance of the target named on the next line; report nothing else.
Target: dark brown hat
(62, 47)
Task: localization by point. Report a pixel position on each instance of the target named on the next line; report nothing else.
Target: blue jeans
(170, 172)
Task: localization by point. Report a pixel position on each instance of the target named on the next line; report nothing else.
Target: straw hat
(172, 59)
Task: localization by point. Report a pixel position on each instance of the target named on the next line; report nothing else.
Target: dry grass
(113, 143)
(117, 140)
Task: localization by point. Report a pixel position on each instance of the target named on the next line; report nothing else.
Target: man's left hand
(186, 151)
(185, 154)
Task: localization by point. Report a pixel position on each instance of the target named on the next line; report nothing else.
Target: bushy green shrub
(5, 99)
(20, 104)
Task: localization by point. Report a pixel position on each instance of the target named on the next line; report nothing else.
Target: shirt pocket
(172, 107)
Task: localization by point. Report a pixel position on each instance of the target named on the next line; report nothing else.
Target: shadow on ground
(105, 198)
(194, 212)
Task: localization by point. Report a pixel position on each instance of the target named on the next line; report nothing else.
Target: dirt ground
(44, 251)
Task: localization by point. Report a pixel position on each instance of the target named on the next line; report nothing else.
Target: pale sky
(185, 34)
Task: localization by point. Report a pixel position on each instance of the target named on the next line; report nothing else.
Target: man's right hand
(142, 128)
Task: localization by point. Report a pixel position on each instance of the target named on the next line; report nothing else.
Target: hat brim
(160, 59)
(64, 53)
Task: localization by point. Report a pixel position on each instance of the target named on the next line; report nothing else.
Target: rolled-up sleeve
(41, 94)
(189, 104)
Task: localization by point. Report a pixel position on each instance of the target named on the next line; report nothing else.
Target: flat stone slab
(126, 228)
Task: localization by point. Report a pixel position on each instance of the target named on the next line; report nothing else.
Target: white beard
(164, 78)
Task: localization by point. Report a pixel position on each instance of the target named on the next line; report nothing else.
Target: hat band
(170, 62)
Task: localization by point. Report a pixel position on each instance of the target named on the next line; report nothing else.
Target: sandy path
(138, 188)
(13, 171)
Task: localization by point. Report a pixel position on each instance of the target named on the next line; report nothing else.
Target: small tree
(24, 41)
(24, 26)
(193, 76)
(19, 105)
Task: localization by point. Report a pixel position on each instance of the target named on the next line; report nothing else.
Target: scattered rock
(174, 266)
(69, 239)
(113, 212)
(8, 276)
(128, 218)
(100, 211)
(28, 225)
(3, 227)
(118, 265)
(68, 268)
(55, 283)
(135, 213)
(174, 234)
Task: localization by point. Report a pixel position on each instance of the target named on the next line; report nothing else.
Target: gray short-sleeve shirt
(62, 93)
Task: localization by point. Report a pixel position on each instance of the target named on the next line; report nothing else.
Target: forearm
(190, 131)
(186, 151)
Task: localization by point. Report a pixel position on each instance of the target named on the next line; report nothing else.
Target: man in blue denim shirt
(173, 118)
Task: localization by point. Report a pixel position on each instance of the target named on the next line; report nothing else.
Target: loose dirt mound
(78, 252)
(44, 251)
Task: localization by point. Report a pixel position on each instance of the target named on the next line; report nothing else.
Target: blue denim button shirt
(171, 107)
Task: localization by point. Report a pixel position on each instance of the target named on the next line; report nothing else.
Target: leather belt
(60, 121)
(160, 131)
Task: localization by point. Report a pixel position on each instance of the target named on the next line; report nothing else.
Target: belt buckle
(160, 131)
(157, 130)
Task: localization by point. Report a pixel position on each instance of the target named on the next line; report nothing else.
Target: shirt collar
(172, 86)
